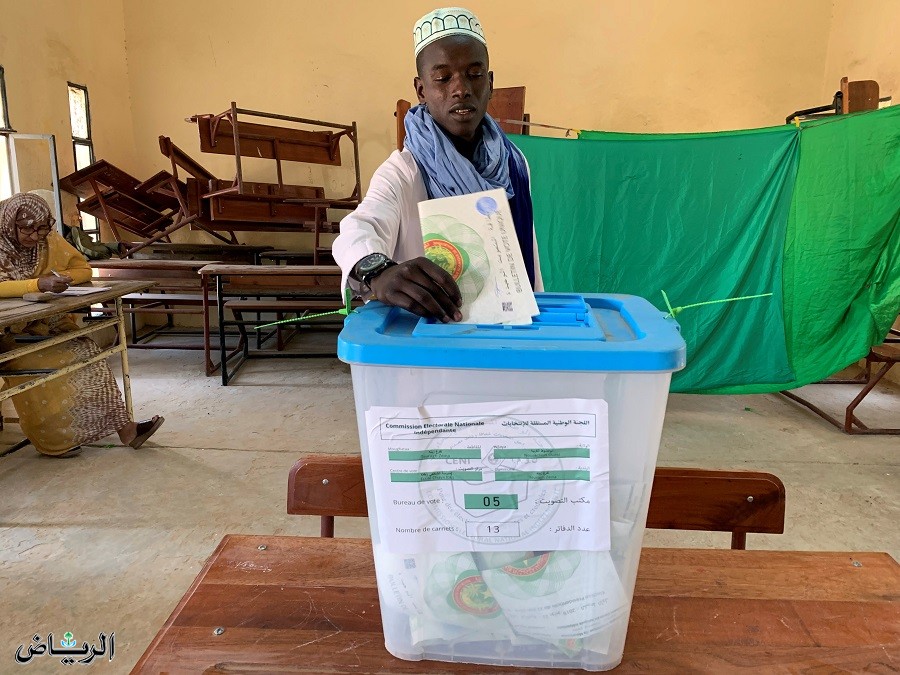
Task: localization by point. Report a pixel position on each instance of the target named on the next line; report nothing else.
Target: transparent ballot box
(508, 474)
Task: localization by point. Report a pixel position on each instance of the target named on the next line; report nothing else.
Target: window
(82, 145)
(5, 178)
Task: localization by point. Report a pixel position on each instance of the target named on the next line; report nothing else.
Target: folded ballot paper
(474, 239)
(572, 601)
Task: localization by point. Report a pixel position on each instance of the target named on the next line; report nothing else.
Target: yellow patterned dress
(78, 408)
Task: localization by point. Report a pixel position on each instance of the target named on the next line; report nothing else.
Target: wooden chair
(855, 96)
(507, 107)
(682, 499)
(858, 95)
(886, 355)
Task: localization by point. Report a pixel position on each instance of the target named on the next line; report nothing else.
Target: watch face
(371, 262)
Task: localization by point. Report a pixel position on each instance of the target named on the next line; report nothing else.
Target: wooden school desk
(269, 604)
(15, 311)
(176, 291)
(312, 287)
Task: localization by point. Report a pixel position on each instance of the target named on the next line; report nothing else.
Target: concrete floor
(109, 541)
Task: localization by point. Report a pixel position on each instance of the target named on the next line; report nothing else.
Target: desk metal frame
(121, 347)
(219, 272)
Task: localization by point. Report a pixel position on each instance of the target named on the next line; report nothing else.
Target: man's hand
(54, 284)
(421, 287)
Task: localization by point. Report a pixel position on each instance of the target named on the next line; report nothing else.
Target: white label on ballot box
(500, 476)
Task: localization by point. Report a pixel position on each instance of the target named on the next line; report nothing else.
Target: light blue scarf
(446, 172)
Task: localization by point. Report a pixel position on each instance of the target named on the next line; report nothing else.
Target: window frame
(87, 142)
(5, 124)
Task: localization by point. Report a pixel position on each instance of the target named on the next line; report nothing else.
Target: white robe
(387, 220)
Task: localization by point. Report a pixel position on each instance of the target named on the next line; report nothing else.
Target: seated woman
(81, 407)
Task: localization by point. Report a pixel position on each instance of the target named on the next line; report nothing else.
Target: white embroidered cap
(443, 22)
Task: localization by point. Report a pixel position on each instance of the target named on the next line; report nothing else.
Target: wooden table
(15, 311)
(268, 604)
(255, 281)
(232, 253)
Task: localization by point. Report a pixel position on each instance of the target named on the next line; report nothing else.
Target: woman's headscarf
(18, 262)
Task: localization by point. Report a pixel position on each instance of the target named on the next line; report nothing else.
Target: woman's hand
(54, 284)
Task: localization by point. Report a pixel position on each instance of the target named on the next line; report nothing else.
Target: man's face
(29, 233)
(455, 83)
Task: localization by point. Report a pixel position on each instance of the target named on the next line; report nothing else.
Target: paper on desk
(83, 290)
(474, 239)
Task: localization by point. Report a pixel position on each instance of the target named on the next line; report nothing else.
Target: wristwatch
(371, 266)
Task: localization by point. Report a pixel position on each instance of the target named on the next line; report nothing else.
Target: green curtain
(808, 214)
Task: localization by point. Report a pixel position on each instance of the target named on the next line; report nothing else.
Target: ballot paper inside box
(508, 474)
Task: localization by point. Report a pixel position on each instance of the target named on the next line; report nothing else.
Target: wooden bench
(274, 289)
(279, 257)
(177, 291)
(682, 499)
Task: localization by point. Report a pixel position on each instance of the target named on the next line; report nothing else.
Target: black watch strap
(371, 266)
(368, 277)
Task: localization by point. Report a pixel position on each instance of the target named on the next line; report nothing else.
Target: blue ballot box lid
(595, 332)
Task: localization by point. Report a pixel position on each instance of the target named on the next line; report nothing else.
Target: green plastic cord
(344, 311)
(673, 312)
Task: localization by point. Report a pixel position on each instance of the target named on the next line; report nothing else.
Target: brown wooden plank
(793, 575)
(161, 276)
(859, 95)
(272, 191)
(127, 212)
(272, 270)
(403, 107)
(103, 173)
(661, 660)
(239, 650)
(211, 251)
(163, 298)
(335, 606)
(234, 208)
(742, 501)
(287, 561)
(290, 257)
(184, 161)
(327, 485)
(271, 285)
(292, 305)
(258, 140)
(666, 658)
(681, 498)
(774, 622)
(66, 304)
(154, 265)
